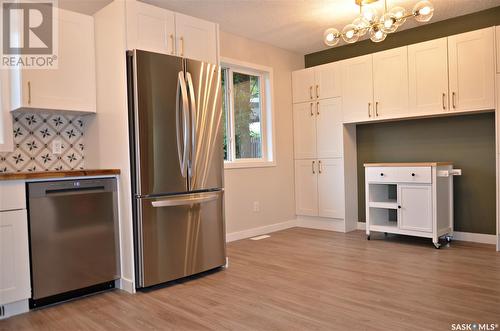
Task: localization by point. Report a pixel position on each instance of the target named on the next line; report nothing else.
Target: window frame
(267, 114)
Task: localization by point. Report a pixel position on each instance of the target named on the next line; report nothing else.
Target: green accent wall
(468, 141)
(474, 21)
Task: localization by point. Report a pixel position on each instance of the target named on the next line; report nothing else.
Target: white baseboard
(260, 230)
(15, 308)
(126, 285)
(463, 236)
(321, 223)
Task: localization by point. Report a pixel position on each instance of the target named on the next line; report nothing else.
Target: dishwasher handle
(76, 190)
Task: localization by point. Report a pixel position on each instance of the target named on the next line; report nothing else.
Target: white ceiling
(296, 25)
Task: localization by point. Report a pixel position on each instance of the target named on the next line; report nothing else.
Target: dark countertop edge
(58, 174)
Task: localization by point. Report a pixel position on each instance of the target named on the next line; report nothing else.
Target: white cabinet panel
(497, 33)
(390, 82)
(357, 89)
(331, 188)
(329, 138)
(12, 195)
(14, 257)
(306, 187)
(328, 81)
(415, 210)
(6, 133)
(472, 70)
(72, 86)
(150, 28)
(196, 39)
(304, 130)
(428, 77)
(303, 84)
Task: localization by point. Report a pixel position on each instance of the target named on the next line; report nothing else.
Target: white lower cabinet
(410, 199)
(319, 188)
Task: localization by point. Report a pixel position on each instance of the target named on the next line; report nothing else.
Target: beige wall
(273, 187)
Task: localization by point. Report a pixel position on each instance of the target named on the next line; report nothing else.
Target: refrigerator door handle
(182, 151)
(192, 107)
(183, 200)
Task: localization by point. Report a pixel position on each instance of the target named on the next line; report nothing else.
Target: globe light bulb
(423, 11)
(361, 25)
(370, 15)
(388, 23)
(350, 34)
(376, 34)
(399, 14)
(331, 37)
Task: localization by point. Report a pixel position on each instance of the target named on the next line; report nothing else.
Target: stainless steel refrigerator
(175, 117)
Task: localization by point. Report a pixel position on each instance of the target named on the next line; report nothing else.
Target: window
(247, 115)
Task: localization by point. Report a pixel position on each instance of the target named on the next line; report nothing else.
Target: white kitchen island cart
(413, 199)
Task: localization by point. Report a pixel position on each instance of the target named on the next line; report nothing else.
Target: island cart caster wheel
(448, 239)
(385, 234)
(437, 245)
(368, 237)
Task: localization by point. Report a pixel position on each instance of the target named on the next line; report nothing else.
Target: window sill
(248, 164)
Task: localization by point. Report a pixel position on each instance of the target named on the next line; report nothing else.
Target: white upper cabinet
(472, 70)
(331, 188)
(304, 130)
(390, 83)
(196, 38)
(428, 77)
(306, 187)
(329, 128)
(321, 82)
(150, 28)
(303, 84)
(357, 89)
(497, 33)
(6, 134)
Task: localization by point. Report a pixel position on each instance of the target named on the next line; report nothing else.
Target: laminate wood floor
(303, 279)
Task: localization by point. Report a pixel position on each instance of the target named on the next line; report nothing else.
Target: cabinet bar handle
(310, 92)
(317, 91)
(29, 93)
(453, 100)
(369, 109)
(376, 108)
(182, 46)
(311, 109)
(313, 167)
(444, 105)
(320, 167)
(172, 43)
(317, 108)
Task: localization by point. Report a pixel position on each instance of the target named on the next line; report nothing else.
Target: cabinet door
(415, 212)
(6, 133)
(304, 130)
(331, 188)
(306, 187)
(196, 39)
(497, 33)
(150, 28)
(328, 80)
(303, 83)
(428, 77)
(72, 85)
(390, 82)
(472, 70)
(357, 89)
(14, 257)
(329, 128)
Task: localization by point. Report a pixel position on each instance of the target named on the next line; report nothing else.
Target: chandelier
(377, 26)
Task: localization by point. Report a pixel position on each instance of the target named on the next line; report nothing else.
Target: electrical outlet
(56, 146)
(256, 206)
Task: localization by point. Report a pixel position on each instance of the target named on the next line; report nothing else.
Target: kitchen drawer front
(399, 174)
(12, 195)
(415, 175)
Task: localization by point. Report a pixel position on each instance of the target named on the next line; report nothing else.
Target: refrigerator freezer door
(206, 161)
(161, 119)
(182, 235)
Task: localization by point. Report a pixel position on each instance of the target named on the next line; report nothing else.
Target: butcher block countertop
(58, 174)
(409, 164)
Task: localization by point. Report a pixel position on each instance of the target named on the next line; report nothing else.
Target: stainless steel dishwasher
(73, 227)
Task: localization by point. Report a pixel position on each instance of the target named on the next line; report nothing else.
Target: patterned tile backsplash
(34, 134)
